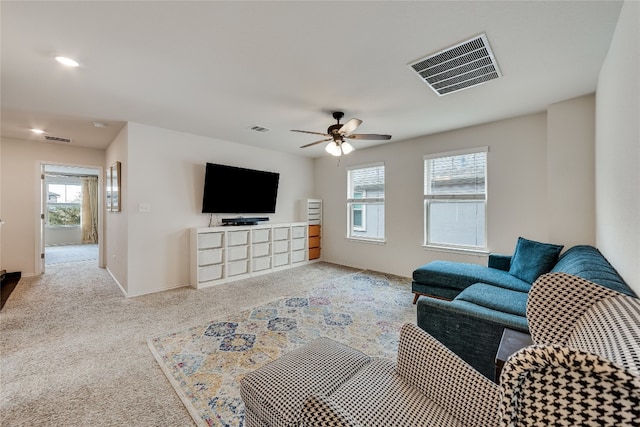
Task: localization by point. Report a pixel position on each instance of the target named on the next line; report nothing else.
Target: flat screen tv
(234, 190)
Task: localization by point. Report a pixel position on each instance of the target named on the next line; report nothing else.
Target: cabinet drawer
(314, 242)
(280, 259)
(238, 267)
(260, 264)
(260, 236)
(297, 232)
(314, 253)
(240, 237)
(314, 219)
(297, 256)
(281, 233)
(261, 249)
(297, 244)
(281, 246)
(209, 240)
(209, 273)
(314, 230)
(237, 252)
(209, 256)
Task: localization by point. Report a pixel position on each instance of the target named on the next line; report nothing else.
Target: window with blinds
(365, 202)
(455, 199)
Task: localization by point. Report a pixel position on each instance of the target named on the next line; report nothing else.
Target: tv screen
(230, 189)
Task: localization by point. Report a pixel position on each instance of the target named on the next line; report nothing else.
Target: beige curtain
(89, 209)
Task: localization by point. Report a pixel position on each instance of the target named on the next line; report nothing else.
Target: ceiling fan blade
(350, 126)
(308, 131)
(368, 136)
(317, 142)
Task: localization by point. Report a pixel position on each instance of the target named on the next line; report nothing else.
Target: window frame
(364, 202)
(456, 198)
(61, 204)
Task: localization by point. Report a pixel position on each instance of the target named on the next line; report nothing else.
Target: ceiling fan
(337, 134)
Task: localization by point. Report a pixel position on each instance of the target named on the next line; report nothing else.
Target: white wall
(20, 193)
(116, 223)
(164, 170)
(529, 195)
(618, 149)
(571, 171)
(517, 192)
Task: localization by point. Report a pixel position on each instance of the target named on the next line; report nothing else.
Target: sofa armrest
(321, 411)
(499, 262)
(556, 385)
(556, 301)
(446, 379)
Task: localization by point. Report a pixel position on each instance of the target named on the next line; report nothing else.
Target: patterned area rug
(205, 363)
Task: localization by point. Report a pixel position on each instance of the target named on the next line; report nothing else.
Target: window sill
(365, 240)
(53, 227)
(467, 251)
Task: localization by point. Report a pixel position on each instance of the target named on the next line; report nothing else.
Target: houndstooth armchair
(583, 370)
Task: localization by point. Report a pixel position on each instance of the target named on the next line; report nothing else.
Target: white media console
(223, 254)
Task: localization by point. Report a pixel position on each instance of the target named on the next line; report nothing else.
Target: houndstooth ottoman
(273, 395)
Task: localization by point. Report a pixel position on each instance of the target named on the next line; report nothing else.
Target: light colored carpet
(74, 351)
(70, 253)
(206, 362)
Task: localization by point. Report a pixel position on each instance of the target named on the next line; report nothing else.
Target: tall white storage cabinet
(311, 213)
(222, 254)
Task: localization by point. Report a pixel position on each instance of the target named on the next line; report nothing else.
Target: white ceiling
(216, 68)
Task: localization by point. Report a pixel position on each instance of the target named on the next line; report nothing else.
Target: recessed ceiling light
(67, 61)
(38, 131)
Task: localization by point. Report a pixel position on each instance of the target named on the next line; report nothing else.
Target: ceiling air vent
(58, 139)
(462, 66)
(261, 129)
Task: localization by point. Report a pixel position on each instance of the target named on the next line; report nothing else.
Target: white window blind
(455, 195)
(365, 202)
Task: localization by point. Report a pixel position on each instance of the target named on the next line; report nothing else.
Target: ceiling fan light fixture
(333, 148)
(347, 148)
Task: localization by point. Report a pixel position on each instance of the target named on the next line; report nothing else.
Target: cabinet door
(240, 237)
(314, 253)
(314, 230)
(212, 272)
(281, 246)
(281, 233)
(260, 250)
(314, 242)
(281, 259)
(209, 240)
(209, 256)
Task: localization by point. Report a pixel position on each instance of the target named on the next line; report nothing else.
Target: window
(63, 204)
(455, 199)
(359, 217)
(365, 202)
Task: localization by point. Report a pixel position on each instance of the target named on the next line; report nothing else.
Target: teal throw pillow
(532, 259)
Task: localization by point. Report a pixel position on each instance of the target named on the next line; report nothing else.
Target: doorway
(70, 215)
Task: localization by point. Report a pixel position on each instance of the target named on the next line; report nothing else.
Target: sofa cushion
(532, 259)
(495, 298)
(587, 262)
(458, 276)
(277, 390)
(377, 396)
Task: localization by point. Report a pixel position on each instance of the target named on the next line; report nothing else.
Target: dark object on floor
(9, 282)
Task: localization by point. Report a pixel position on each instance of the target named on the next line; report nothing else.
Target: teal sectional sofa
(467, 306)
